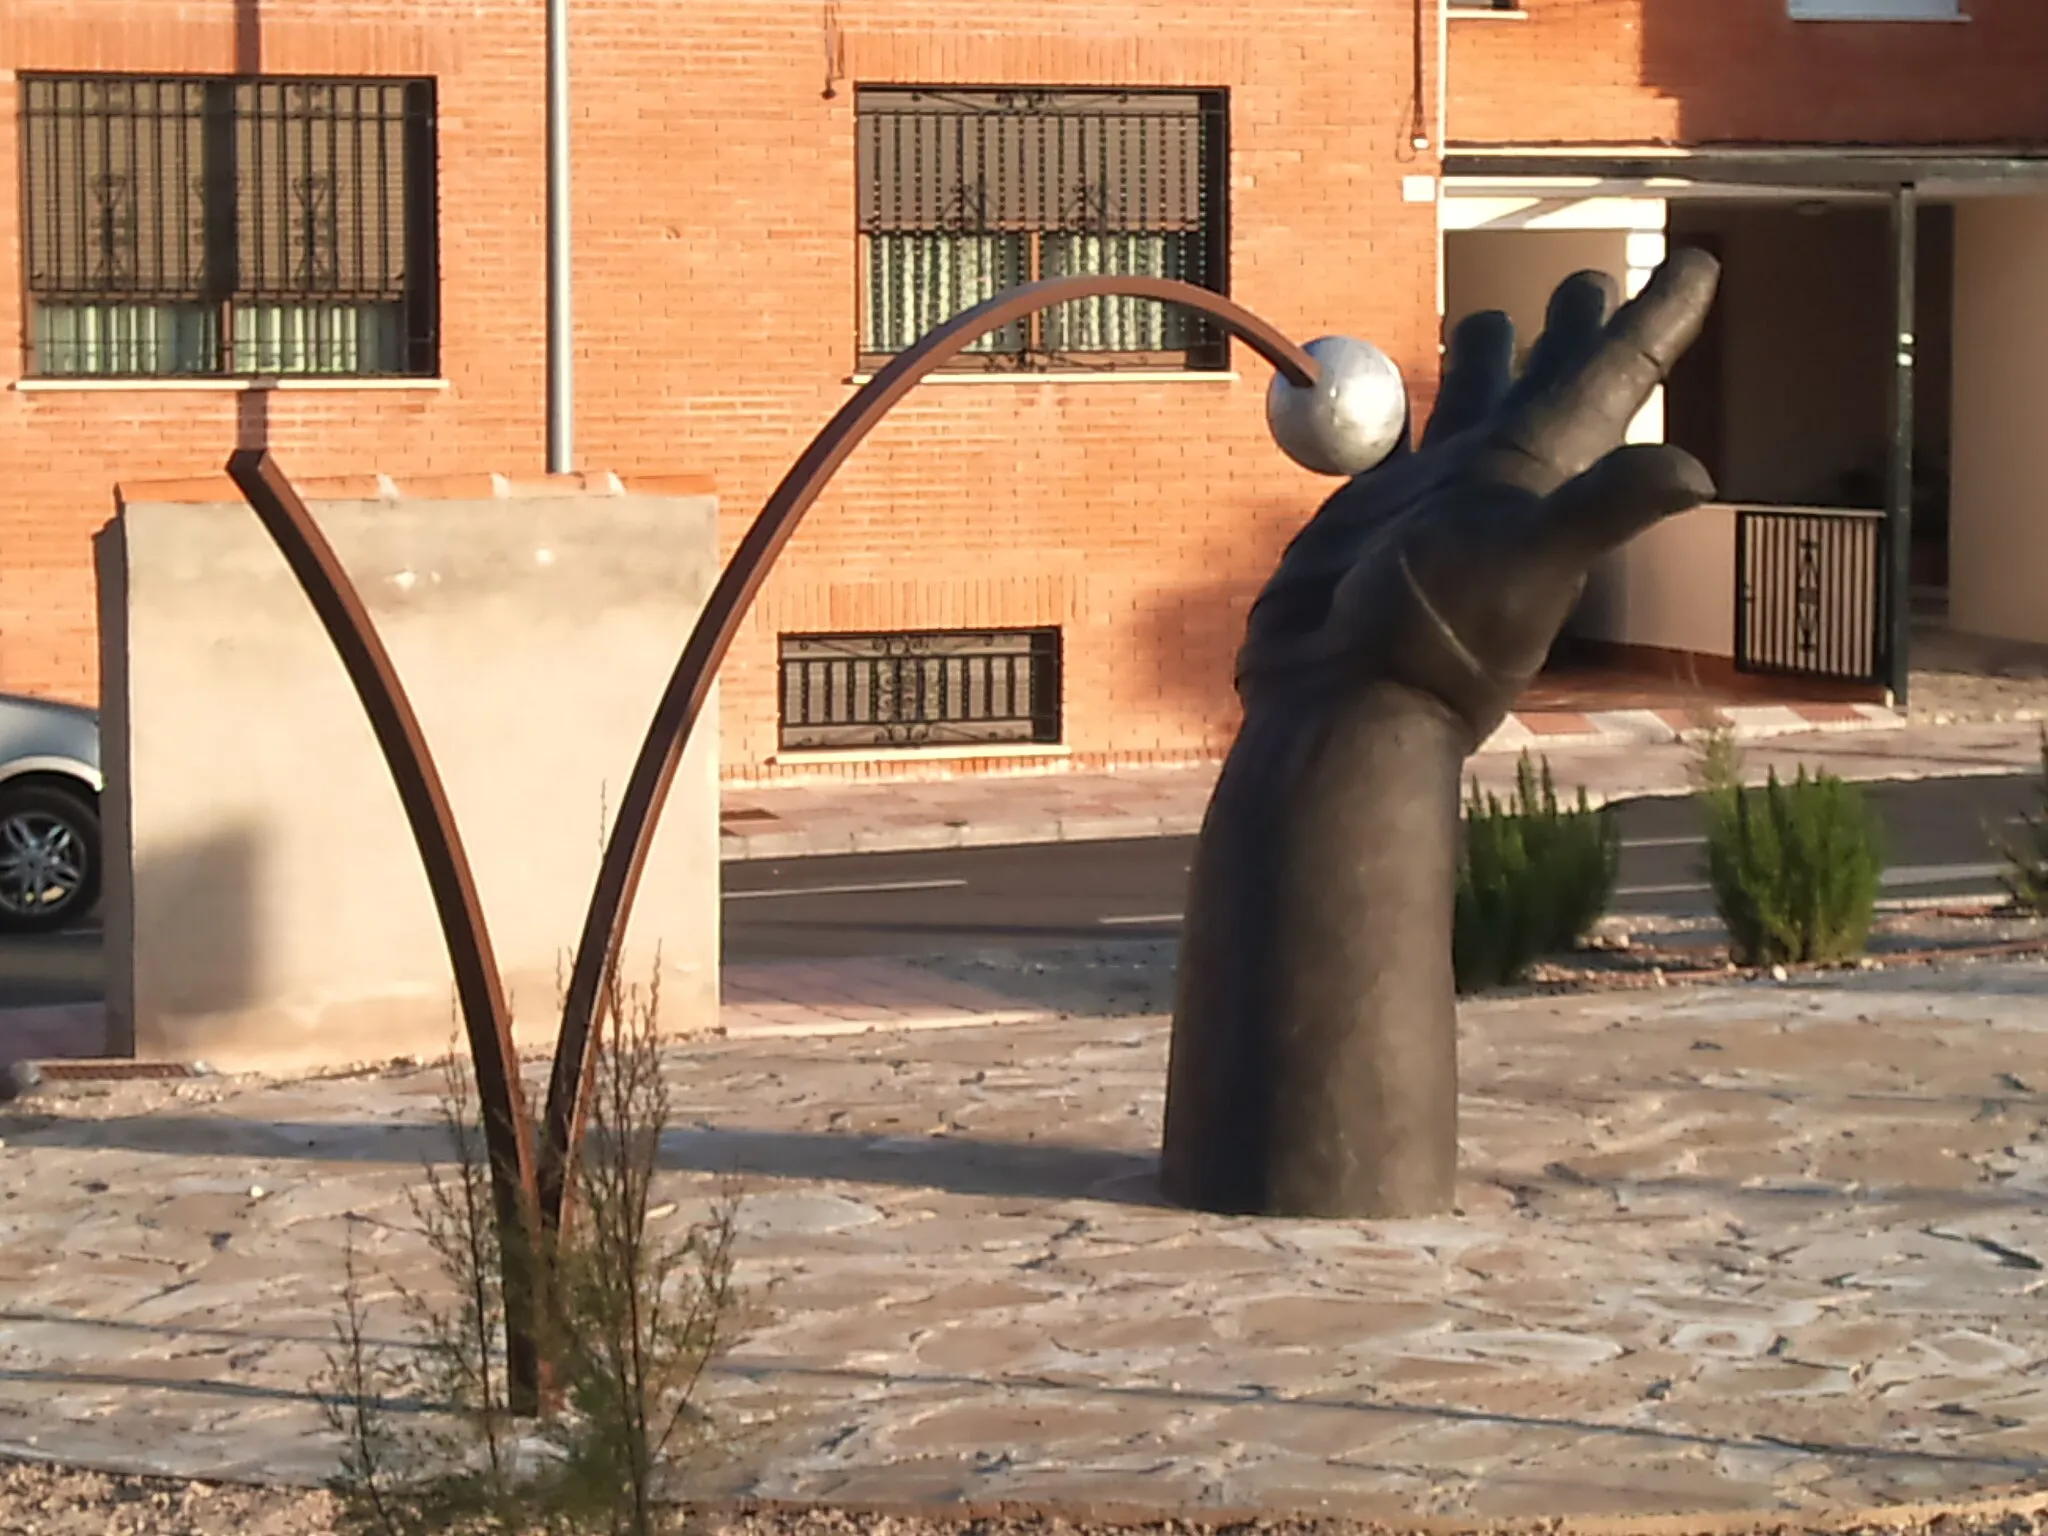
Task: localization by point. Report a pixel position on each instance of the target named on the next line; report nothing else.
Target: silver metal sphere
(1350, 419)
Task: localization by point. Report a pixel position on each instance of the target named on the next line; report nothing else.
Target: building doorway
(1776, 589)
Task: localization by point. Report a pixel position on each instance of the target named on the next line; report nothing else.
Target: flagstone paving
(1741, 1247)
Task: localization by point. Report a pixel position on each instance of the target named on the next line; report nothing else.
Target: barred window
(920, 688)
(965, 193)
(244, 227)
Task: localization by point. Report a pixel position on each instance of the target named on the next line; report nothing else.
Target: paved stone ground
(1741, 1247)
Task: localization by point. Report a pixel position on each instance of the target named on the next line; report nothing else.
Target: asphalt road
(1939, 843)
(1055, 894)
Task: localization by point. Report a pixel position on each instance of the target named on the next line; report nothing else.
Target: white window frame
(1876, 10)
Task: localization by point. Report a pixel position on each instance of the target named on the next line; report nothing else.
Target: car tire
(49, 858)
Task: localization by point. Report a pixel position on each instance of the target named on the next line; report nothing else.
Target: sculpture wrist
(1314, 1068)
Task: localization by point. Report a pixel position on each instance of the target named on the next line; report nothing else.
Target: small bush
(1795, 868)
(2026, 857)
(1533, 880)
(636, 1315)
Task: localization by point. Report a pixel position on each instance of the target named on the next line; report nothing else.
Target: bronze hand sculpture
(1314, 1063)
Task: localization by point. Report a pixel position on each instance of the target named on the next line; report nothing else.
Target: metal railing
(934, 688)
(1809, 593)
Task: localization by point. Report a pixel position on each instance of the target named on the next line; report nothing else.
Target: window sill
(1082, 376)
(827, 755)
(1870, 13)
(1485, 13)
(89, 386)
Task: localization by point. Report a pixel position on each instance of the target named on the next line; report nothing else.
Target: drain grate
(84, 1069)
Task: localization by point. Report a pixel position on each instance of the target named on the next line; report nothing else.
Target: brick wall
(1712, 71)
(66, 448)
(716, 315)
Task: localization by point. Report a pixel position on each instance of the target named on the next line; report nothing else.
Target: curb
(799, 843)
(1648, 727)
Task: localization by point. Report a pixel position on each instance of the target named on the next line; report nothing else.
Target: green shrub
(1795, 868)
(2026, 857)
(1533, 879)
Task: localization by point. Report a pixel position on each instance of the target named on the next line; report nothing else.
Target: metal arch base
(526, 1181)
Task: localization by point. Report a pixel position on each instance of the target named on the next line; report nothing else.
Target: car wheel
(49, 858)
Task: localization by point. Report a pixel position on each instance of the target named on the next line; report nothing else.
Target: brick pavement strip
(1736, 1248)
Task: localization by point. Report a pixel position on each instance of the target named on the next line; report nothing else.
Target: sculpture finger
(1572, 328)
(1479, 371)
(1568, 427)
(1626, 492)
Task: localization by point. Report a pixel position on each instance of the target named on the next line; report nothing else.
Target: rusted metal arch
(479, 991)
(625, 855)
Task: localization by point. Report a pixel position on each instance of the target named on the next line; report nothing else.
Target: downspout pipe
(561, 367)
(1898, 544)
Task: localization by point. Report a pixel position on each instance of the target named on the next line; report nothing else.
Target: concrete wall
(1515, 271)
(1671, 589)
(276, 903)
(1998, 507)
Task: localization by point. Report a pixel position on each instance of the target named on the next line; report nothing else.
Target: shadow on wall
(180, 925)
(1787, 397)
(188, 946)
(1189, 638)
(1745, 71)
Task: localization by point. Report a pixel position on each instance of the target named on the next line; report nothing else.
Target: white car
(50, 787)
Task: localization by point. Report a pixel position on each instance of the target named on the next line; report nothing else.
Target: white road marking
(1146, 920)
(1904, 874)
(879, 887)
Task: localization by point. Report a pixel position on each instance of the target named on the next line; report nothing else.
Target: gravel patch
(38, 1500)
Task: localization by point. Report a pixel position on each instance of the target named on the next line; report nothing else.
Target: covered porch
(1864, 396)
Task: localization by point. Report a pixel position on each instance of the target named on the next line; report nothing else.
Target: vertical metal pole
(561, 364)
(1899, 501)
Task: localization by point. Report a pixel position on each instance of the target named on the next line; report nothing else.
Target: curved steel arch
(479, 989)
(625, 855)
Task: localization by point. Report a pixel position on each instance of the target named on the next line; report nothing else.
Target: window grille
(179, 226)
(965, 193)
(929, 688)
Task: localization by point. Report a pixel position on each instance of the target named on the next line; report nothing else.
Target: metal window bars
(1809, 599)
(201, 225)
(929, 688)
(963, 194)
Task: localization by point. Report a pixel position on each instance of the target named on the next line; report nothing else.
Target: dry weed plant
(633, 1314)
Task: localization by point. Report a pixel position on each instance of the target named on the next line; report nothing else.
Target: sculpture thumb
(1629, 490)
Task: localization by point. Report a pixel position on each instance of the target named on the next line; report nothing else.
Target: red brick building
(321, 224)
